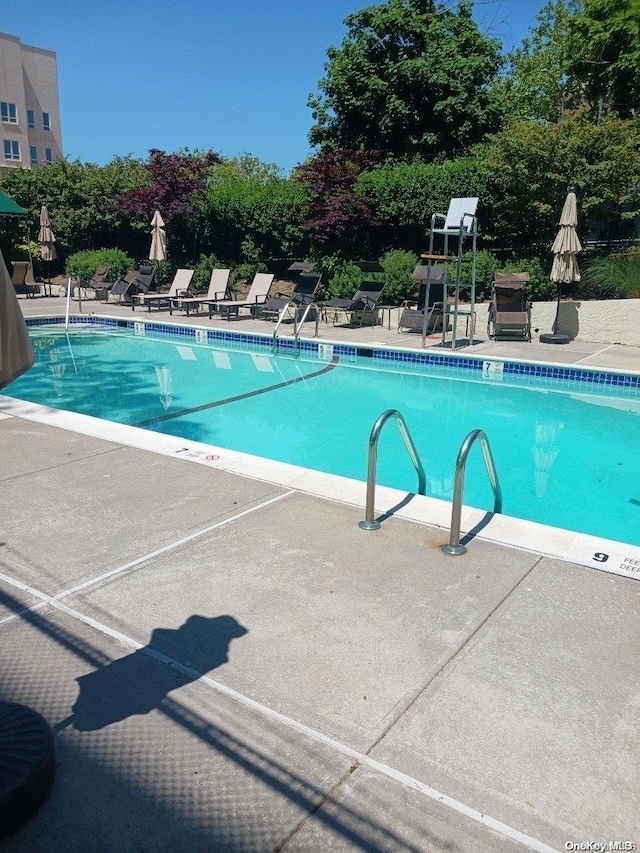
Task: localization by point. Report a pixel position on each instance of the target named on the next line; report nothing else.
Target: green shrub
(202, 272)
(339, 277)
(540, 287)
(85, 263)
(251, 264)
(398, 265)
(614, 276)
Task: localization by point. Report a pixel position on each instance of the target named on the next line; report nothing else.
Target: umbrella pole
(554, 328)
(555, 337)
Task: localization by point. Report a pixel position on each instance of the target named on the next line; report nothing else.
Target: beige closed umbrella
(16, 352)
(564, 269)
(158, 250)
(47, 241)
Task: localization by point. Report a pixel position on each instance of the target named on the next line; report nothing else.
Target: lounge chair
(147, 277)
(99, 281)
(254, 300)
(19, 278)
(123, 288)
(179, 287)
(361, 308)
(302, 295)
(218, 289)
(432, 279)
(509, 310)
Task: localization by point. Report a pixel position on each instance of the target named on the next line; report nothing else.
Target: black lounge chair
(302, 295)
(509, 315)
(134, 282)
(99, 281)
(362, 307)
(146, 278)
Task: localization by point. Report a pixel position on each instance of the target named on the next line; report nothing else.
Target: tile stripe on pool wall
(473, 364)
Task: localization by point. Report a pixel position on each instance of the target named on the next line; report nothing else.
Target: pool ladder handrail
(297, 324)
(369, 522)
(453, 546)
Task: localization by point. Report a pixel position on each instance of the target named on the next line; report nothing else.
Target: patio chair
(361, 308)
(147, 277)
(254, 300)
(99, 281)
(19, 271)
(179, 287)
(218, 289)
(432, 279)
(302, 295)
(123, 287)
(509, 315)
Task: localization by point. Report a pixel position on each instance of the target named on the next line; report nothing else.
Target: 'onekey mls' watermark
(600, 846)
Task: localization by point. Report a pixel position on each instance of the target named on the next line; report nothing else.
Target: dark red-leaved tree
(176, 188)
(337, 219)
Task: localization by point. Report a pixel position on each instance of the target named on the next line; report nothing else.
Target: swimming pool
(566, 451)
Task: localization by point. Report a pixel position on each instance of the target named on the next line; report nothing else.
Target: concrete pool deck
(232, 665)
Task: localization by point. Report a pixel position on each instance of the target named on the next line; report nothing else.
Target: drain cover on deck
(26, 763)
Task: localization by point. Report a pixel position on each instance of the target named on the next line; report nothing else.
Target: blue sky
(229, 75)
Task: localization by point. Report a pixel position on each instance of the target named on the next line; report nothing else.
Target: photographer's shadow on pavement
(139, 682)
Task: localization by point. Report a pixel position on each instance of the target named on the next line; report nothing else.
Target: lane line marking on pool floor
(266, 711)
(150, 556)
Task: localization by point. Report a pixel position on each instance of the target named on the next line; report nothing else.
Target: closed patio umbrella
(47, 241)
(565, 264)
(158, 250)
(16, 352)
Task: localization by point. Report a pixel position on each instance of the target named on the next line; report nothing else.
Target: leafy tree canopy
(411, 78)
(605, 54)
(536, 83)
(175, 185)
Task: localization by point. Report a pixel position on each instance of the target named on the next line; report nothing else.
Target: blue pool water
(567, 455)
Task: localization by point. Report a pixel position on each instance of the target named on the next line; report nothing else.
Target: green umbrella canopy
(8, 207)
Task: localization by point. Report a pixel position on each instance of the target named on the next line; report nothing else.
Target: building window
(8, 112)
(46, 121)
(31, 119)
(11, 149)
(48, 155)
(34, 155)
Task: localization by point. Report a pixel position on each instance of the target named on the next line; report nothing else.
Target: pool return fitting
(453, 547)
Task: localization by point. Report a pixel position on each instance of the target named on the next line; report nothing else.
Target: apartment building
(30, 132)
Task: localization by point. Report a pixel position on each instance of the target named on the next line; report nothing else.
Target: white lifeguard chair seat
(459, 208)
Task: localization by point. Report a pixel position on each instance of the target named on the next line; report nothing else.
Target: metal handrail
(369, 523)
(453, 547)
(274, 341)
(297, 325)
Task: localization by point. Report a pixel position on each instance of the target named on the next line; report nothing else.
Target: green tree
(532, 164)
(605, 54)
(537, 83)
(80, 200)
(411, 78)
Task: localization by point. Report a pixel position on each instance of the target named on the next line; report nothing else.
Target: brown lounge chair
(218, 283)
(254, 301)
(509, 311)
(22, 278)
(179, 287)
